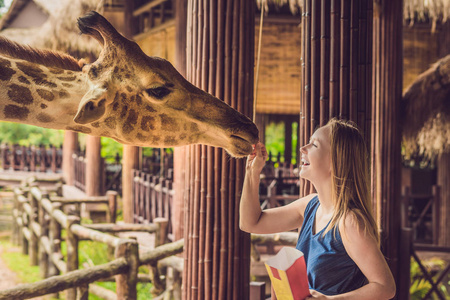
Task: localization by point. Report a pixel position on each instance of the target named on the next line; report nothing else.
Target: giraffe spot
(20, 94)
(148, 123)
(115, 106)
(123, 113)
(129, 89)
(169, 123)
(43, 106)
(140, 137)
(149, 108)
(79, 128)
(110, 122)
(23, 79)
(95, 124)
(194, 127)
(169, 140)
(46, 95)
(67, 85)
(131, 120)
(16, 112)
(44, 118)
(56, 70)
(67, 78)
(138, 100)
(183, 136)
(31, 70)
(156, 139)
(63, 94)
(5, 70)
(44, 82)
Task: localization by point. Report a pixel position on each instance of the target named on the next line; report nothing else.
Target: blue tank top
(330, 270)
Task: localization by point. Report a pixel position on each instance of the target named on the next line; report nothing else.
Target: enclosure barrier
(38, 223)
(32, 158)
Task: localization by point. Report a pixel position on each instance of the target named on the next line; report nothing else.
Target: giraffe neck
(38, 95)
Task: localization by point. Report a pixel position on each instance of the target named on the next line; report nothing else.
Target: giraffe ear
(92, 106)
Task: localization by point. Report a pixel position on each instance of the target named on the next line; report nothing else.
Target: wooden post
(33, 243)
(72, 252)
(43, 222)
(257, 290)
(436, 191)
(55, 238)
(70, 145)
(126, 283)
(112, 206)
(130, 161)
(443, 179)
(161, 234)
(386, 148)
(83, 292)
(93, 169)
(405, 263)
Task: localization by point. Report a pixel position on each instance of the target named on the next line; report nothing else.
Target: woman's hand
(316, 295)
(257, 159)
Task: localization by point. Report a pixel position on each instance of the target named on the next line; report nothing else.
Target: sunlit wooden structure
(346, 62)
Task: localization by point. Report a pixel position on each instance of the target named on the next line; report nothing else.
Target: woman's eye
(158, 93)
(314, 145)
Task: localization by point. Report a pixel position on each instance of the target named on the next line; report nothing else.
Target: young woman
(338, 236)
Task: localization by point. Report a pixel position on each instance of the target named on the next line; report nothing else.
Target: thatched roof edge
(426, 102)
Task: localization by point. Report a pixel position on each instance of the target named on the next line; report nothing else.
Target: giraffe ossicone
(125, 95)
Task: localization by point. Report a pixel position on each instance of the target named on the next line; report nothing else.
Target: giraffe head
(146, 102)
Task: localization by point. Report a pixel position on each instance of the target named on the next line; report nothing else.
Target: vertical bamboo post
(386, 155)
(16, 228)
(72, 252)
(43, 222)
(126, 283)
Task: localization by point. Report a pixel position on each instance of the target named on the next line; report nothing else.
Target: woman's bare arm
(252, 218)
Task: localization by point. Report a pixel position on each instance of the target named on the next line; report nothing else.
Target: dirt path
(8, 278)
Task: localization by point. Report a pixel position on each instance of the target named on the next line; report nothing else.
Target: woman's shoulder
(304, 201)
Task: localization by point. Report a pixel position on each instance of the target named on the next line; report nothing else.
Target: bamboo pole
(324, 66)
(126, 283)
(387, 83)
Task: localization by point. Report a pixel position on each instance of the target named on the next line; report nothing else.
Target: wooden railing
(39, 219)
(152, 198)
(31, 159)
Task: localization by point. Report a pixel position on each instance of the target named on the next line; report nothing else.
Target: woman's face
(316, 156)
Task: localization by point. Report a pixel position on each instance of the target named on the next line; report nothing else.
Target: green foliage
(275, 138)
(110, 148)
(26, 135)
(419, 285)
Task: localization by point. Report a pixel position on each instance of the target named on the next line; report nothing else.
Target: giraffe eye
(158, 93)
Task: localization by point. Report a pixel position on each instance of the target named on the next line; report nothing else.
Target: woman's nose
(303, 149)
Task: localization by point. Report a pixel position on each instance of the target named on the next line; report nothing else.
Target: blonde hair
(350, 177)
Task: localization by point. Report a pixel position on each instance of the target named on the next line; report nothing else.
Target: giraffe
(125, 95)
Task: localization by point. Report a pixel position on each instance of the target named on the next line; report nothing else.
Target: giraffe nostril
(90, 105)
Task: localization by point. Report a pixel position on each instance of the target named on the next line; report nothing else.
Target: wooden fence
(38, 220)
(32, 158)
(152, 198)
